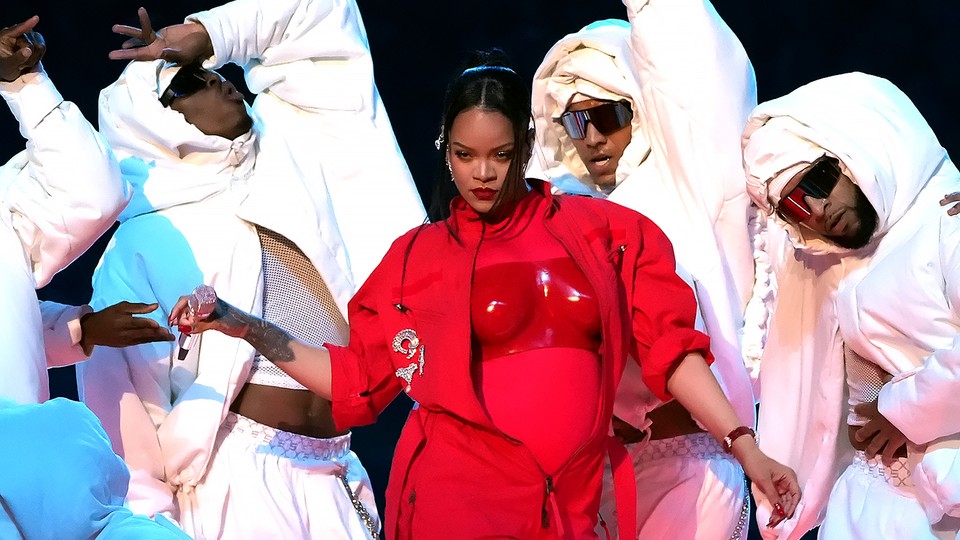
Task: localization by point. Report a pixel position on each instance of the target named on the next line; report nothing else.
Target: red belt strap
(624, 487)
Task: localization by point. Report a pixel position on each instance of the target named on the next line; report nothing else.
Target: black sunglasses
(606, 118)
(189, 80)
(817, 183)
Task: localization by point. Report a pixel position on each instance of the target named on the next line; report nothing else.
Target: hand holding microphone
(200, 304)
(200, 311)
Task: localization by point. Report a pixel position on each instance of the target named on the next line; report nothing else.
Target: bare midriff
(296, 411)
(667, 421)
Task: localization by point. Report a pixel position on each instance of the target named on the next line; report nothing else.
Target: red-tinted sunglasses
(607, 118)
(817, 182)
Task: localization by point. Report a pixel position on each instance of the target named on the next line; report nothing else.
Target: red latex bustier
(523, 305)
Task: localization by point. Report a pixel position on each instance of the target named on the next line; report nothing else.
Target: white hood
(884, 144)
(134, 123)
(594, 62)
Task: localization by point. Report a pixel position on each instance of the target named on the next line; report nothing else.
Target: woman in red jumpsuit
(509, 322)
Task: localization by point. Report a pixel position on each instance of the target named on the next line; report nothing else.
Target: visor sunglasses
(817, 183)
(189, 80)
(606, 118)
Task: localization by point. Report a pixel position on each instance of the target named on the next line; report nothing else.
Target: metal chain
(362, 511)
(744, 513)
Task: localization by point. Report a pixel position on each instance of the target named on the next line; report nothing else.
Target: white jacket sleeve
(320, 47)
(69, 190)
(62, 333)
(323, 131)
(920, 402)
(129, 389)
(698, 88)
(697, 67)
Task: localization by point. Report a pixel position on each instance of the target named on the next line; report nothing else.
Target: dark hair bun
(493, 57)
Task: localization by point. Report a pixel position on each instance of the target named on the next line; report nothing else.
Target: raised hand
(884, 438)
(118, 326)
(20, 49)
(180, 43)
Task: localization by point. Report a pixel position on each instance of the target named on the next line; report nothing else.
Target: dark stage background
(417, 46)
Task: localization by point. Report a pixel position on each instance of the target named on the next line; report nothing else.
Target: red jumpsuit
(460, 469)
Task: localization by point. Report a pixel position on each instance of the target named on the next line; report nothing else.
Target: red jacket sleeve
(663, 310)
(362, 375)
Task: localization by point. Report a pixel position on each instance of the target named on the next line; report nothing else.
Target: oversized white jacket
(62, 333)
(902, 312)
(321, 167)
(56, 198)
(888, 149)
(691, 87)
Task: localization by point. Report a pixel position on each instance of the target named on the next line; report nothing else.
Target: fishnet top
(296, 299)
(864, 381)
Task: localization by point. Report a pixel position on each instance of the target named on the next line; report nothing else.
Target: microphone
(201, 303)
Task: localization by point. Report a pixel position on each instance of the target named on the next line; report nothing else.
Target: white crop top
(864, 381)
(296, 299)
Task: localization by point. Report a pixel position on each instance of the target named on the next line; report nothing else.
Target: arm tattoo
(267, 338)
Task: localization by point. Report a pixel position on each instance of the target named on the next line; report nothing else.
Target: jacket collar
(468, 224)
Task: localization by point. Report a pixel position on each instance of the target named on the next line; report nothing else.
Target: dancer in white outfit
(58, 476)
(868, 283)
(56, 198)
(285, 208)
(621, 113)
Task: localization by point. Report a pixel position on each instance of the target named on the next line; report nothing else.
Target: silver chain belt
(738, 533)
(365, 516)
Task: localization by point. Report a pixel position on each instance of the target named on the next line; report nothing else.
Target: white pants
(265, 483)
(871, 500)
(688, 488)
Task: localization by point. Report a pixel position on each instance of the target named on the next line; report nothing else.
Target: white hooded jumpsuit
(322, 168)
(892, 302)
